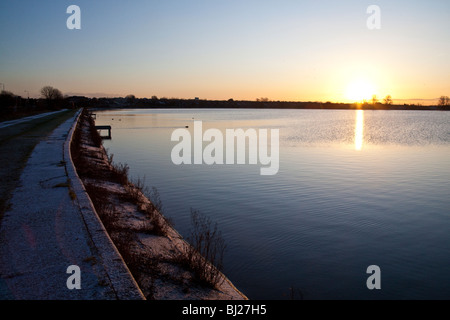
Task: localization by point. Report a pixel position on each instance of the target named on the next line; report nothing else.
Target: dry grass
(97, 172)
(205, 253)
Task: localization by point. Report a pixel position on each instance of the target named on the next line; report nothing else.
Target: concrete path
(52, 226)
(9, 123)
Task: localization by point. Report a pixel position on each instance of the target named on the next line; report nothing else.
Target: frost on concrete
(44, 233)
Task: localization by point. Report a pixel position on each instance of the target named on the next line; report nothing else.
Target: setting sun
(359, 90)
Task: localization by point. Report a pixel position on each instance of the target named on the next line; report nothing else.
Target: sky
(288, 50)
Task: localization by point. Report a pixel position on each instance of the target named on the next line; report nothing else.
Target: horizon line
(100, 95)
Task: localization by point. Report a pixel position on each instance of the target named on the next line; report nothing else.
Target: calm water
(354, 189)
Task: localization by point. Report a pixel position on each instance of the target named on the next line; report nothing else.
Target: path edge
(122, 281)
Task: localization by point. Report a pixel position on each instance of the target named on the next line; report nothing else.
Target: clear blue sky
(283, 49)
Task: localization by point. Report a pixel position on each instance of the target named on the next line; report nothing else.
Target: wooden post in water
(100, 128)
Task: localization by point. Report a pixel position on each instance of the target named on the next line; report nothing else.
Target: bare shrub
(119, 173)
(155, 199)
(124, 241)
(205, 254)
(156, 223)
(106, 210)
(135, 190)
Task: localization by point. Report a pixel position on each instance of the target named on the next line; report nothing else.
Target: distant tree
(387, 100)
(130, 99)
(50, 93)
(444, 101)
(7, 99)
(262, 99)
(154, 98)
(374, 99)
(53, 96)
(7, 93)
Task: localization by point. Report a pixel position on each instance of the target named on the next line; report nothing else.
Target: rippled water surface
(354, 189)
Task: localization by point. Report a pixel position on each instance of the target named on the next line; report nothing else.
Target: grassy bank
(16, 144)
(164, 265)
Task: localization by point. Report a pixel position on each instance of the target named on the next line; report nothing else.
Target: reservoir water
(354, 189)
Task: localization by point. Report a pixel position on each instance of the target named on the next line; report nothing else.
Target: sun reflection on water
(359, 130)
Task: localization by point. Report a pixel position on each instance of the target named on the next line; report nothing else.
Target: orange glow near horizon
(300, 51)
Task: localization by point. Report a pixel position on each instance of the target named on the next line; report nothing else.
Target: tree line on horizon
(13, 106)
(51, 98)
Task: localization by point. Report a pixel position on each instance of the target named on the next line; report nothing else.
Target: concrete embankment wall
(122, 281)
